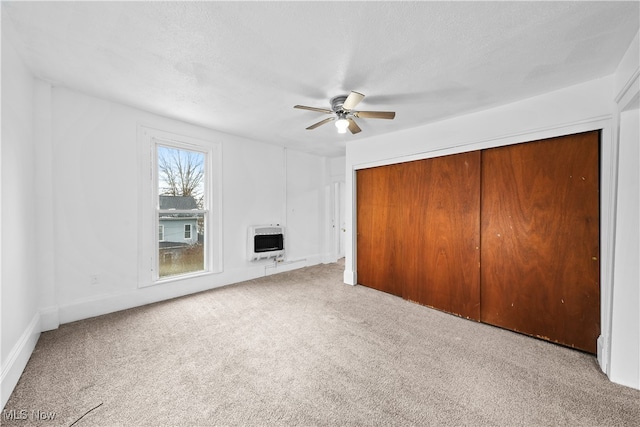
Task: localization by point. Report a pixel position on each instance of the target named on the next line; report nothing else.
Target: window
(180, 207)
(182, 202)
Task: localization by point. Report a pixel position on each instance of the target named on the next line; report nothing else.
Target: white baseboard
(18, 357)
(281, 267)
(314, 259)
(601, 354)
(109, 303)
(329, 258)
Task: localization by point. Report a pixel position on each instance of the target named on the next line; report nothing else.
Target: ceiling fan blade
(352, 100)
(320, 110)
(320, 123)
(353, 126)
(375, 114)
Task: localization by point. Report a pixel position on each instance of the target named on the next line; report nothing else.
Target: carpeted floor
(301, 348)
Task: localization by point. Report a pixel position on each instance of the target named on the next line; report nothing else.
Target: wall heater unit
(265, 241)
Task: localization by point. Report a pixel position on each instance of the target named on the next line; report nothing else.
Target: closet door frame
(608, 189)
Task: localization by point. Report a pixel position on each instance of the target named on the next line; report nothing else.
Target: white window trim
(160, 226)
(148, 246)
(189, 231)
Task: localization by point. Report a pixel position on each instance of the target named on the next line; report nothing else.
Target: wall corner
(49, 319)
(18, 357)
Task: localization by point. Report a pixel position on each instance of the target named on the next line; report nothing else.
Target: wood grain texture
(418, 231)
(508, 236)
(442, 233)
(540, 239)
(379, 245)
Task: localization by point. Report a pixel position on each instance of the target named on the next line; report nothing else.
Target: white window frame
(149, 139)
(189, 231)
(160, 233)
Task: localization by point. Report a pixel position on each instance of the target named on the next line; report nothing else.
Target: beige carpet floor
(302, 348)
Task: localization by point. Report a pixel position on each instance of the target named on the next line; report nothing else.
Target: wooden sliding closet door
(419, 231)
(442, 233)
(540, 239)
(379, 228)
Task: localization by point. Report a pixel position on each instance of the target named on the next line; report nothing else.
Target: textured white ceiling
(239, 67)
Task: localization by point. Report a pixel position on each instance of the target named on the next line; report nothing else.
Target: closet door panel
(442, 239)
(378, 228)
(540, 239)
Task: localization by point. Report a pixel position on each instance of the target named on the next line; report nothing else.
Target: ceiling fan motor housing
(337, 102)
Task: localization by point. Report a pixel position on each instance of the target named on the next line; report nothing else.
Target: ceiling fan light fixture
(342, 124)
(342, 113)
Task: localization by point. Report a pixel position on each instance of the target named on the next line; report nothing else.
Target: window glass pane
(180, 178)
(179, 253)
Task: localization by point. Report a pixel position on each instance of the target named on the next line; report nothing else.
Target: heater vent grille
(268, 230)
(265, 241)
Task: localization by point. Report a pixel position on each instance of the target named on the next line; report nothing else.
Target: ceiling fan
(343, 113)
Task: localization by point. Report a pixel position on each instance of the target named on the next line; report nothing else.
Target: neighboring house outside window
(177, 227)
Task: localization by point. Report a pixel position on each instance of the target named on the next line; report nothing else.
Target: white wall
(624, 367)
(44, 200)
(306, 207)
(336, 169)
(578, 108)
(625, 346)
(20, 321)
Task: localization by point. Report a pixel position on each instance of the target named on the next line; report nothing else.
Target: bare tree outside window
(181, 173)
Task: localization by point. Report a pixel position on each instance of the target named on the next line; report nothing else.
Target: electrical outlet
(94, 279)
